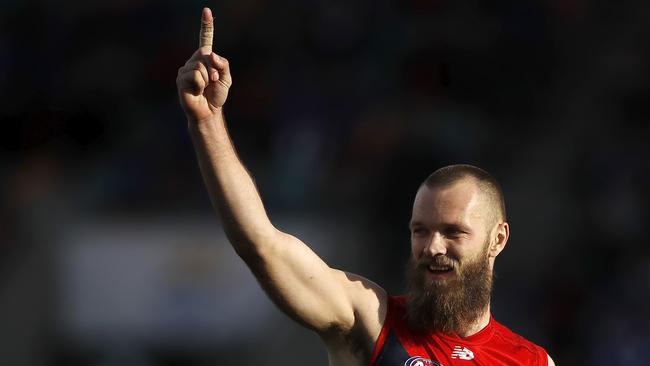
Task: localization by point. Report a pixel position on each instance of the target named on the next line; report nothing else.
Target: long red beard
(449, 306)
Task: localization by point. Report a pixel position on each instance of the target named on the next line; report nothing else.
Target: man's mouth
(439, 269)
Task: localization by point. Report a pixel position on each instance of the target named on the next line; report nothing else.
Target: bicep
(303, 286)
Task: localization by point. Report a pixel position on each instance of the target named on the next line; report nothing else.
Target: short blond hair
(488, 185)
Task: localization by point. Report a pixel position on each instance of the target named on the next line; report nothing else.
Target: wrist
(215, 117)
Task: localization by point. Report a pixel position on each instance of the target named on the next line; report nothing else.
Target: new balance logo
(462, 353)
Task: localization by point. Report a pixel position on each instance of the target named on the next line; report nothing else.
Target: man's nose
(436, 245)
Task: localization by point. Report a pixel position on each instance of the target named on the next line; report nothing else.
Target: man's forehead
(457, 202)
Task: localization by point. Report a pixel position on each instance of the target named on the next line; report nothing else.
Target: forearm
(230, 186)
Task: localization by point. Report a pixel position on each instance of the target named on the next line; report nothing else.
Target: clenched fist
(204, 80)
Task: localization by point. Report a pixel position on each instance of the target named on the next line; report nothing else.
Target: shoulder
(523, 347)
(368, 298)
(550, 361)
(369, 302)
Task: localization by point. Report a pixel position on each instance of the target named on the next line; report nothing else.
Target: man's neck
(481, 322)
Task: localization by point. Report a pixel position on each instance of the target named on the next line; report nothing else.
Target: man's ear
(499, 239)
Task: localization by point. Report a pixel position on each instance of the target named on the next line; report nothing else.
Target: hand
(204, 80)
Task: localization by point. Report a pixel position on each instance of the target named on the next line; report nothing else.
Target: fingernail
(214, 76)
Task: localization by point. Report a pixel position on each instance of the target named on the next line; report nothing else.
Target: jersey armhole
(543, 356)
(383, 334)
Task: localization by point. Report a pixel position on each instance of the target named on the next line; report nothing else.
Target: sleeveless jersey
(494, 345)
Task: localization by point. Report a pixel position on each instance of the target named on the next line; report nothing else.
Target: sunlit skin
(455, 221)
(346, 310)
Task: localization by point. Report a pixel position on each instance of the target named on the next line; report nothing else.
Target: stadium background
(110, 253)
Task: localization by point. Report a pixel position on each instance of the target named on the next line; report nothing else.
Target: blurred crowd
(339, 109)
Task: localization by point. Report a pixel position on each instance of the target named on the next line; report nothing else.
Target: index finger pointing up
(207, 29)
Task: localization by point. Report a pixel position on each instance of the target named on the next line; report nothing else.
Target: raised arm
(328, 301)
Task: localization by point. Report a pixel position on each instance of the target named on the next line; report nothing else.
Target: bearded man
(458, 228)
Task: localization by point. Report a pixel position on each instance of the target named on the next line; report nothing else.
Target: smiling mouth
(437, 269)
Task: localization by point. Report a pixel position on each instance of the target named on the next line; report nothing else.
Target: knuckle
(184, 79)
(181, 76)
(198, 78)
(200, 66)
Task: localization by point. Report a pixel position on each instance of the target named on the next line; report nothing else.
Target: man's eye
(453, 233)
(419, 231)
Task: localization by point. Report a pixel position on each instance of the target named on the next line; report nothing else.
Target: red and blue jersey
(494, 345)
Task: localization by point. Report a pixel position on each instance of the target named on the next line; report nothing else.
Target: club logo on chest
(419, 361)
